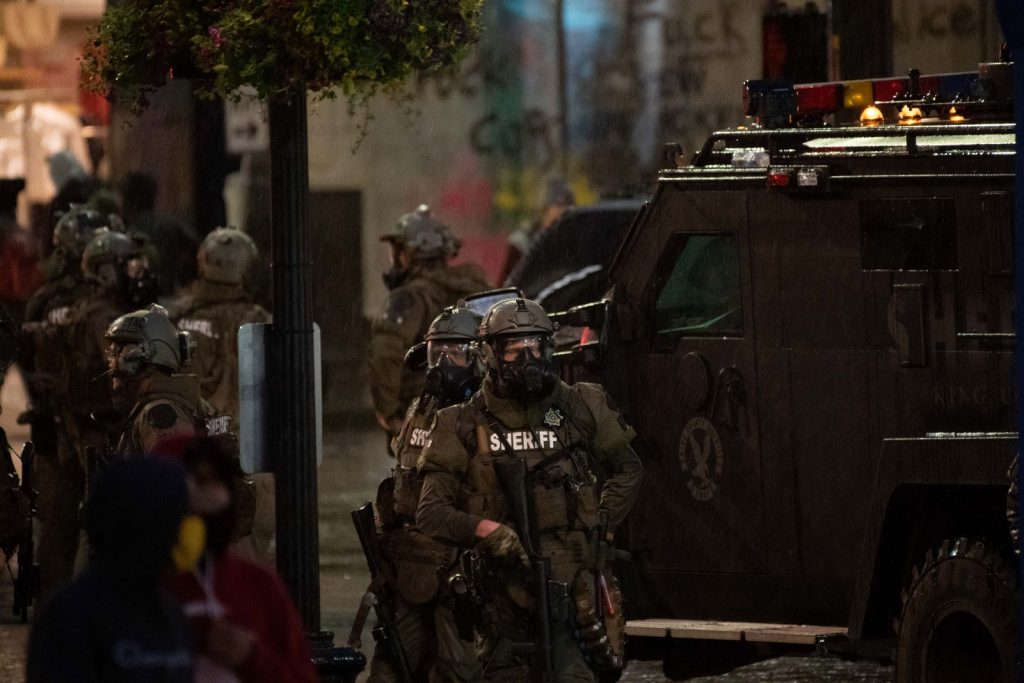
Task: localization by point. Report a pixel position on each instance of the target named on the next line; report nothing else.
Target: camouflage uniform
(212, 312)
(144, 352)
(416, 564)
(567, 433)
(50, 375)
(403, 322)
(60, 478)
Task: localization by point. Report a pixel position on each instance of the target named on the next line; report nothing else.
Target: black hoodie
(112, 624)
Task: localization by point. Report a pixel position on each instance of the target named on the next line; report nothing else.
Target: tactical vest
(561, 484)
(201, 416)
(414, 558)
(213, 313)
(407, 446)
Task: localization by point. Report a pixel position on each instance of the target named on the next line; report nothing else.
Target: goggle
(510, 348)
(457, 353)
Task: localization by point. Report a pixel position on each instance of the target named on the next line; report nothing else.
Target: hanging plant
(275, 47)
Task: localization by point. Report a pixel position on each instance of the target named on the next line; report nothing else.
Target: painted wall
(938, 36)
(478, 144)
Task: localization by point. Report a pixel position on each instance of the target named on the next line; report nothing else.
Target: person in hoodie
(112, 623)
(422, 284)
(243, 624)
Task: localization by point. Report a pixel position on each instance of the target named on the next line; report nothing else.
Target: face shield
(452, 375)
(457, 353)
(525, 368)
(532, 347)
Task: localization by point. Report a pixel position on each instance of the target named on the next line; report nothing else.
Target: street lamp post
(292, 433)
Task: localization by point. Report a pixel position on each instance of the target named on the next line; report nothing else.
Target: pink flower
(215, 35)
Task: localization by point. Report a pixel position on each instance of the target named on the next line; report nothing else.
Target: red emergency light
(819, 98)
(888, 89)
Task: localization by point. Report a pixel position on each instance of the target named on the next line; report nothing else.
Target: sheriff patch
(198, 326)
(525, 440)
(418, 437)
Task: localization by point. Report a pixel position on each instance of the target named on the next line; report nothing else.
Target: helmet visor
(509, 349)
(457, 353)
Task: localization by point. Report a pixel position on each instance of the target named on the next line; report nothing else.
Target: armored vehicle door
(693, 398)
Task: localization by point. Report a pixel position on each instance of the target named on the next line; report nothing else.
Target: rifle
(377, 595)
(26, 585)
(511, 473)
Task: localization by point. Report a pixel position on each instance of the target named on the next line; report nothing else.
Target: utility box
(254, 394)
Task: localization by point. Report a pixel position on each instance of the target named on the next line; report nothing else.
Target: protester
(243, 624)
(112, 624)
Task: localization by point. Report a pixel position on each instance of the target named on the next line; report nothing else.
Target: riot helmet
(454, 370)
(226, 255)
(518, 343)
(417, 236)
(78, 225)
(117, 262)
(146, 338)
(72, 233)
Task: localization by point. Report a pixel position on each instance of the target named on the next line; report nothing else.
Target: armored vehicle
(810, 325)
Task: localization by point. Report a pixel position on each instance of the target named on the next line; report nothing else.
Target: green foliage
(276, 47)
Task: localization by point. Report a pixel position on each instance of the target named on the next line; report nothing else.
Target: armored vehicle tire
(959, 620)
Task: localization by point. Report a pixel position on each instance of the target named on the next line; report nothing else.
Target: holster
(415, 559)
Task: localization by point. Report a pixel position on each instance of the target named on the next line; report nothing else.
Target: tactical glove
(504, 543)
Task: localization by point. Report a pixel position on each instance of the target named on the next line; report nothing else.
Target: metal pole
(1011, 19)
(292, 436)
(563, 84)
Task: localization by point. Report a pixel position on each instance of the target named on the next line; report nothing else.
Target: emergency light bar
(776, 103)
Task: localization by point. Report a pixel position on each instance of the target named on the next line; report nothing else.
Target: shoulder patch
(161, 416)
(400, 303)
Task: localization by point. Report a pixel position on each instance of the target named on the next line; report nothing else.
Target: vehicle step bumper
(691, 629)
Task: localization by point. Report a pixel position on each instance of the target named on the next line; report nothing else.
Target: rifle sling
(355, 636)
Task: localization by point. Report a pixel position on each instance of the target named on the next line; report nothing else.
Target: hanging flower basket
(277, 47)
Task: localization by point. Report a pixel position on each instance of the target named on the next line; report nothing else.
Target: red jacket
(255, 599)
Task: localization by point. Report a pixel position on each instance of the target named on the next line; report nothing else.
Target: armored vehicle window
(908, 234)
(697, 288)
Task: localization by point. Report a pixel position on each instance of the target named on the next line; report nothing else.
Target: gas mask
(525, 369)
(394, 277)
(452, 376)
(398, 273)
(140, 285)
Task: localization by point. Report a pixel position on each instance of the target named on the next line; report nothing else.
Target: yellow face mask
(191, 542)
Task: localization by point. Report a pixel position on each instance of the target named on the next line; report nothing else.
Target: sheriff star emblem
(553, 418)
